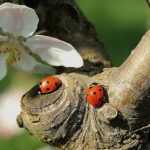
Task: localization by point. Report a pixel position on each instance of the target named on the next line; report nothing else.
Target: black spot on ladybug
(40, 83)
(47, 82)
(47, 89)
(94, 93)
(56, 84)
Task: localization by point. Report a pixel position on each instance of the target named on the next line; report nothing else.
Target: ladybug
(49, 84)
(95, 95)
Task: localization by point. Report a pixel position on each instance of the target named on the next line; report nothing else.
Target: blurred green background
(120, 25)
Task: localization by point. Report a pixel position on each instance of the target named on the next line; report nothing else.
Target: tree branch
(133, 76)
(66, 120)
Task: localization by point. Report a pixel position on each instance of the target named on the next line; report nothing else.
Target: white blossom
(19, 45)
(9, 109)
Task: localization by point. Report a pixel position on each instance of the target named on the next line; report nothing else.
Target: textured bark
(64, 118)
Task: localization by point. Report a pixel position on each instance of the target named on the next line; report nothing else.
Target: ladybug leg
(39, 92)
(95, 83)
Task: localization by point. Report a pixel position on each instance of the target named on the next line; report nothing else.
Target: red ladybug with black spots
(95, 95)
(49, 84)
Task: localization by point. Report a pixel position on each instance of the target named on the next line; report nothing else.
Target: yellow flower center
(12, 49)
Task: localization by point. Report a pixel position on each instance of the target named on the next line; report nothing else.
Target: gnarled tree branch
(133, 76)
(65, 119)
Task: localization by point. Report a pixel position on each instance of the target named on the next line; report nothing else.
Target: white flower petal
(9, 109)
(43, 69)
(54, 52)
(29, 64)
(18, 19)
(26, 62)
(3, 66)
